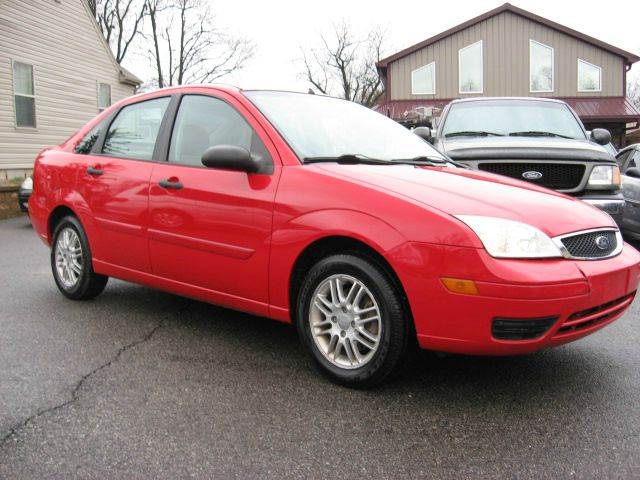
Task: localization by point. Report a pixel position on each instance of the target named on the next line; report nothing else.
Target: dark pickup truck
(537, 140)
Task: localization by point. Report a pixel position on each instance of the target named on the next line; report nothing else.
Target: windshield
(319, 126)
(511, 117)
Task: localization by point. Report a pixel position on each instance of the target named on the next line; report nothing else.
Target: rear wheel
(351, 318)
(71, 262)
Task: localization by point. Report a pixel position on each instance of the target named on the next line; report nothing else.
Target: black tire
(392, 349)
(89, 284)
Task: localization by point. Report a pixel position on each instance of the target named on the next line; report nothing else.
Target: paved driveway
(144, 384)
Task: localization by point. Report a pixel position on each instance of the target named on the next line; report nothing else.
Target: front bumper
(611, 204)
(581, 296)
(23, 199)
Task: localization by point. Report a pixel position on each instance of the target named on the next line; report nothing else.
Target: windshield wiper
(473, 133)
(346, 159)
(535, 133)
(421, 160)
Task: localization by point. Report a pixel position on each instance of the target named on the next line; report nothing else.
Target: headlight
(510, 239)
(27, 184)
(605, 175)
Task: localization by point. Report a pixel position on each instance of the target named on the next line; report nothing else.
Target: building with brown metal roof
(509, 51)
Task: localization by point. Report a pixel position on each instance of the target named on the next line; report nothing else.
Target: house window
(589, 77)
(470, 70)
(104, 96)
(423, 80)
(23, 95)
(540, 67)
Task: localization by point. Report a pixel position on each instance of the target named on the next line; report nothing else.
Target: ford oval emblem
(532, 175)
(602, 242)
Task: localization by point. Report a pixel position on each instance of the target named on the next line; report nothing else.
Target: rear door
(211, 228)
(114, 182)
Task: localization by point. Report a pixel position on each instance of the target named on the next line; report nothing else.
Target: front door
(631, 190)
(115, 184)
(211, 228)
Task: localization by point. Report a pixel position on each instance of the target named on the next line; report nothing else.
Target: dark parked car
(24, 193)
(541, 141)
(629, 161)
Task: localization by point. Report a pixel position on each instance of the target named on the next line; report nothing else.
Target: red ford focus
(320, 212)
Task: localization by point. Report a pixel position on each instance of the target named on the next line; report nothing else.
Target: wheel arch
(57, 214)
(337, 244)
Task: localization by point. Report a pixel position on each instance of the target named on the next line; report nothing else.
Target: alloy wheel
(68, 257)
(345, 321)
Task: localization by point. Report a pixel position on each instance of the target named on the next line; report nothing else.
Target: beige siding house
(56, 73)
(511, 52)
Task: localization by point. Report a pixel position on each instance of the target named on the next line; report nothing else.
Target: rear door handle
(95, 171)
(175, 185)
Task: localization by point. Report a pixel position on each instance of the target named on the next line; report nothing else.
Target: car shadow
(560, 373)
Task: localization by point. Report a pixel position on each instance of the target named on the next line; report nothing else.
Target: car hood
(458, 191)
(546, 148)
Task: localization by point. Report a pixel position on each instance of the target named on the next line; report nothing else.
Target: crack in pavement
(75, 393)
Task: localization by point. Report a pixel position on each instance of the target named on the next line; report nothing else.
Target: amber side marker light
(457, 285)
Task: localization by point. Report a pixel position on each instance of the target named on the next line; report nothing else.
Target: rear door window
(134, 131)
(85, 145)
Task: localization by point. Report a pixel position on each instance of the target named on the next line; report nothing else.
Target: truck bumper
(612, 204)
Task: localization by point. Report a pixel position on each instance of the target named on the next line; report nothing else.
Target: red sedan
(320, 212)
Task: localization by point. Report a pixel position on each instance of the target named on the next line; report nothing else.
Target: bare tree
(120, 21)
(633, 90)
(346, 66)
(188, 46)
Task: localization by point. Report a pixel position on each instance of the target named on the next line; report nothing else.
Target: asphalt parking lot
(144, 384)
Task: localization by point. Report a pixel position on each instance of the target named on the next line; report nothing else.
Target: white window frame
(481, 73)
(413, 91)
(13, 91)
(553, 67)
(100, 108)
(578, 76)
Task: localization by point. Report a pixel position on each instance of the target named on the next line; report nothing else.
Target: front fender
(293, 236)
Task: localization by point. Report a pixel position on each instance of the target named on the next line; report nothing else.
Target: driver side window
(204, 122)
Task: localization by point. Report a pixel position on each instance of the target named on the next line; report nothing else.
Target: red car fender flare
(293, 237)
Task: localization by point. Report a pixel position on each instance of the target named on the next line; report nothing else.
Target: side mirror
(424, 133)
(600, 136)
(633, 172)
(230, 157)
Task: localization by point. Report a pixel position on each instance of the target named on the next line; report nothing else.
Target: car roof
(485, 99)
(633, 146)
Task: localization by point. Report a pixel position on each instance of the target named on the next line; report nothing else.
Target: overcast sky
(279, 28)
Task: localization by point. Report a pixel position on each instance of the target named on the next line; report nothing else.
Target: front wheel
(351, 318)
(71, 262)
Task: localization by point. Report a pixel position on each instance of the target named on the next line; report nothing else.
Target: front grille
(559, 176)
(521, 328)
(595, 315)
(596, 244)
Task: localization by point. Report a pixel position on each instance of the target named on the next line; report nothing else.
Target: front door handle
(95, 171)
(173, 184)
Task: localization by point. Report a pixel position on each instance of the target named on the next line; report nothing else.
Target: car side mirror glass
(601, 136)
(230, 157)
(424, 133)
(633, 172)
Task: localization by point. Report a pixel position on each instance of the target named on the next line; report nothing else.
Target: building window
(104, 96)
(470, 71)
(24, 95)
(589, 77)
(423, 80)
(540, 67)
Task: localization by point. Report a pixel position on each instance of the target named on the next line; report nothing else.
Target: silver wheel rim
(345, 321)
(68, 257)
